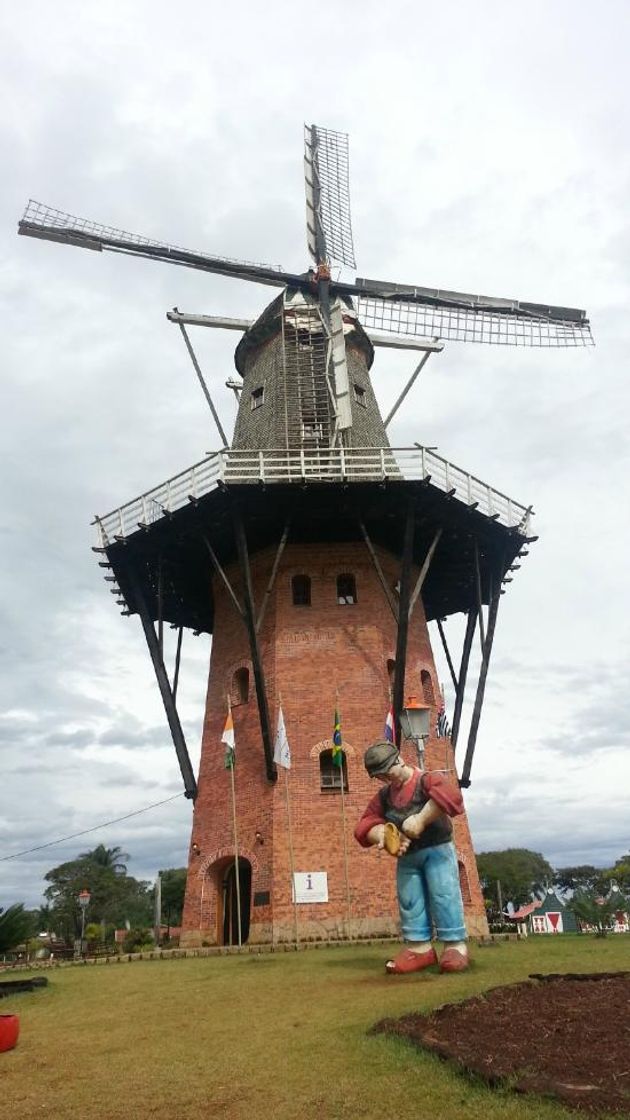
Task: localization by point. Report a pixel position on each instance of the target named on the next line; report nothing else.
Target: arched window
(464, 883)
(330, 775)
(301, 591)
(346, 590)
(428, 694)
(391, 671)
(239, 693)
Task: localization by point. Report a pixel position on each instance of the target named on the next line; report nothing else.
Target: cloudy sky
(489, 152)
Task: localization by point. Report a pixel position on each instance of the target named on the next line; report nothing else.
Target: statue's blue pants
(429, 896)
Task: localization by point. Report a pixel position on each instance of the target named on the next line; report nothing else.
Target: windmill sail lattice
(327, 184)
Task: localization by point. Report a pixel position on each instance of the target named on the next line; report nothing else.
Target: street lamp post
(84, 902)
(415, 722)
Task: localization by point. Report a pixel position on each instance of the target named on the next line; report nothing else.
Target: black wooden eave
(319, 512)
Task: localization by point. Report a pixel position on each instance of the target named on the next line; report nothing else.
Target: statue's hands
(376, 836)
(404, 846)
(413, 826)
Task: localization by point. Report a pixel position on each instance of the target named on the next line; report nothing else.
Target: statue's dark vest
(440, 832)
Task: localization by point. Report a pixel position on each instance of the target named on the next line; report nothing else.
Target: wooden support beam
(178, 656)
(482, 636)
(389, 595)
(424, 359)
(403, 619)
(272, 578)
(160, 619)
(423, 571)
(463, 673)
(481, 684)
(168, 699)
(219, 570)
(206, 391)
(447, 652)
(250, 623)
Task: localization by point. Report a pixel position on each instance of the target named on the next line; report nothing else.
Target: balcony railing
(357, 464)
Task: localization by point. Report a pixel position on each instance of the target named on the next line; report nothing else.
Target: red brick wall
(310, 656)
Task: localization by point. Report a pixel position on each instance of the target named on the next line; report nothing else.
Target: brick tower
(315, 554)
(328, 630)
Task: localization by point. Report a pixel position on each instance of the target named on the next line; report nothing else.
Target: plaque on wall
(262, 898)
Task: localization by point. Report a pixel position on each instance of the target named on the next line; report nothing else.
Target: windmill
(311, 479)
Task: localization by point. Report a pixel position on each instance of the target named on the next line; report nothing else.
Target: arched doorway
(229, 901)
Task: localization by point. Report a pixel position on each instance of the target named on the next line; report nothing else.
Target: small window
(428, 694)
(360, 396)
(240, 687)
(258, 396)
(391, 672)
(330, 775)
(301, 590)
(346, 590)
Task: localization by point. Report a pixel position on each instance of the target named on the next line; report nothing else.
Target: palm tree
(15, 927)
(112, 859)
(593, 911)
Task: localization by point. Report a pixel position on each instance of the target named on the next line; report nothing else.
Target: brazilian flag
(337, 753)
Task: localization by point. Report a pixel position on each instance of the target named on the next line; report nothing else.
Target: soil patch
(562, 1035)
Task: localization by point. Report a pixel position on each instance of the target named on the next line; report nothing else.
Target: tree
(620, 873)
(16, 926)
(173, 890)
(115, 896)
(593, 911)
(113, 859)
(583, 878)
(520, 872)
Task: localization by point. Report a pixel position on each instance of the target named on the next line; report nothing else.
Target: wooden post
(403, 620)
(250, 622)
(481, 685)
(423, 571)
(482, 636)
(177, 735)
(447, 652)
(463, 673)
(393, 605)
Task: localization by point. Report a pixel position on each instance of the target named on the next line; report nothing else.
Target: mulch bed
(567, 1036)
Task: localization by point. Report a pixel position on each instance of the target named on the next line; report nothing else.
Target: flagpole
(343, 825)
(345, 847)
(236, 859)
(284, 760)
(291, 860)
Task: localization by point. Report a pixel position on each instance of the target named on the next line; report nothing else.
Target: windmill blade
(44, 222)
(460, 317)
(326, 179)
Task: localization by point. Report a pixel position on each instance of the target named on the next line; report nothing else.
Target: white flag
(281, 749)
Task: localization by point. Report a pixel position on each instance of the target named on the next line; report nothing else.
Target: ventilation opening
(330, 775)
(301, 591)
(346, 590)
(428, 694)
(240, 687)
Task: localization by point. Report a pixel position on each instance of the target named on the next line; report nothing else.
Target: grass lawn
(249, 1037)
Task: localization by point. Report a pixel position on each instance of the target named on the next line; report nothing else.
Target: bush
(138, 941)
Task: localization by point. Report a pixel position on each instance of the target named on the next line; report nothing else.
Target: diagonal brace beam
(168, 699)
(403, 619)
(250, 623)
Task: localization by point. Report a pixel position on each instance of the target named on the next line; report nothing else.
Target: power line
(95, 828)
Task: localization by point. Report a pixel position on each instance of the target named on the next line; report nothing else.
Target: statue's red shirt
(437, 787)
